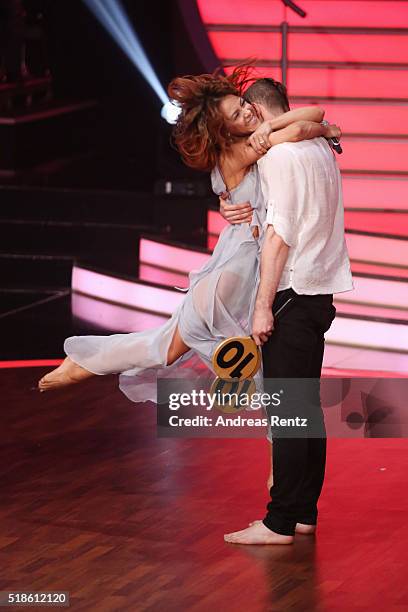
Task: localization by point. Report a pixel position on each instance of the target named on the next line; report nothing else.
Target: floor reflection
(290, 574)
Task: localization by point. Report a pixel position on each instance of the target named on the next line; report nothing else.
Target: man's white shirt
(302, 187)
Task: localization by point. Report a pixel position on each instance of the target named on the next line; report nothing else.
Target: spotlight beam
(111, 15)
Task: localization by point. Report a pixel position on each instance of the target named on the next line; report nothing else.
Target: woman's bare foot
(257, 534)
(68, 373)
(300, 527)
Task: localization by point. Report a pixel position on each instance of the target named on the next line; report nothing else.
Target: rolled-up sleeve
(284, 181)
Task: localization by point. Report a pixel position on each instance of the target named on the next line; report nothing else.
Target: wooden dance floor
(95, 504)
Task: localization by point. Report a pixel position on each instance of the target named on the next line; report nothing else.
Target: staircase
(351, 58)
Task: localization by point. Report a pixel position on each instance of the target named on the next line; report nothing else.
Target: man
(304, 257)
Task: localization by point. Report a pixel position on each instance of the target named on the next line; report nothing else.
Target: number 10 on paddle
(236, 357)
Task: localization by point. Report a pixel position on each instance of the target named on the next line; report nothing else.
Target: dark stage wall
(87, 63)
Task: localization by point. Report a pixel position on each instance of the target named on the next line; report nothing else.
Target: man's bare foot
(68, 373)
(305, 529)
(257, 534)
(269, 482)
(300, 527)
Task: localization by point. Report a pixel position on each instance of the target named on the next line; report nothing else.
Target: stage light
(112, 16)
(171, 111)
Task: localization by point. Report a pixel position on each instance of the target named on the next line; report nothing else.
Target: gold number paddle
(236, 357)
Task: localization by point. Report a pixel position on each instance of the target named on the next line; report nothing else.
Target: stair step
(365, 311)
(375, 290)
(105, 206)
(113, 317)
(385, 292)
(361, 248)
(360, 117)
(333, 80)
(13, 298)
(347, 360)
(172, 256)
(67, 237)
(75, 205)
(389, 14)
(364, 245)
(35, 270)
(374, 154)
(125, 291)
(309, 45)
(169, 264)
(379, 271)
(374, 334)
(377, 249)
(156, 274)
(377, 221)
(394, 224)
(375, 191)
(57, 129)
(160, 274)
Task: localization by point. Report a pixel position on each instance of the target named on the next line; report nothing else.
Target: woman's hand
(259, 140)
(235, 213)
(332, 131)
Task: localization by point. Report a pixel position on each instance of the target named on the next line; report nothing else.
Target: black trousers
(295, 350)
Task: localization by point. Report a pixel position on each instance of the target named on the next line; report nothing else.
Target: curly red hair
(200, 133)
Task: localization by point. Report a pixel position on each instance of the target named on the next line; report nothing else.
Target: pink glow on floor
(30, 363)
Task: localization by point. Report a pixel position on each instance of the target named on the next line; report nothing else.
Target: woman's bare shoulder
(239, 156)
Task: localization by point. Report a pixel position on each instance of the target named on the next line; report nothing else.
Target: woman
(211, 135)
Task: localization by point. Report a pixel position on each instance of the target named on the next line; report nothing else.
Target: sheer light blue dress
(218, 304)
